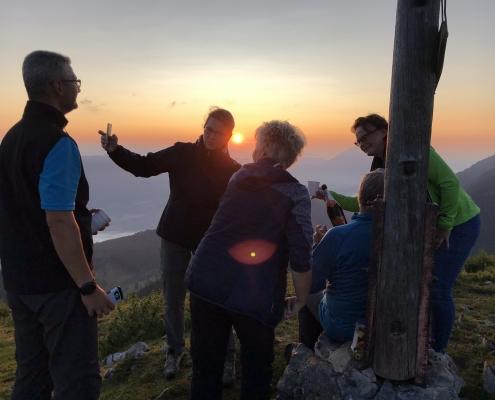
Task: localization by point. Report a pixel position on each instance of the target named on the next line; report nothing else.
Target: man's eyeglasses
(76, 81)
(364, 137)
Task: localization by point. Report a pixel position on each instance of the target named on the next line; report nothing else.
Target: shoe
(228, 378)
(172, 364)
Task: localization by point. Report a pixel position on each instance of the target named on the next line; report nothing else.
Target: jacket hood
(261, 174)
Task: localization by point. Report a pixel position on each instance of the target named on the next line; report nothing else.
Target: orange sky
(154, 70)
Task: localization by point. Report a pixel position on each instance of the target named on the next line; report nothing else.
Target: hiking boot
(172, 364)
(228, 378)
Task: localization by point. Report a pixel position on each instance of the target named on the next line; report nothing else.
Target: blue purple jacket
(262, 225)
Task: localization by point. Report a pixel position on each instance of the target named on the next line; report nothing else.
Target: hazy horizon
(154, 68)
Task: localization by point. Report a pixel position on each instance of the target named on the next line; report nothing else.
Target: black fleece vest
(30, 264)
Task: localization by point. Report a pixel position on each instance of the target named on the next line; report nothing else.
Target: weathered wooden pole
(400, 263)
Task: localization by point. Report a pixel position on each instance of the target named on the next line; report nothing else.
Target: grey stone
(307, 377)
(114, 358)
(357, 385)
(386, 392)
(331, 376)
(341, 358)
(442, 372)
(324, 346)
(489, 378)
(137, 350)
(370, 374)
(337, 354)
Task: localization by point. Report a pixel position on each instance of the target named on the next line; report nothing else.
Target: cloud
(91, 106)
(176, 103)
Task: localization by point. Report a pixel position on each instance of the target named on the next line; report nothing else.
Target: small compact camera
(115, 295)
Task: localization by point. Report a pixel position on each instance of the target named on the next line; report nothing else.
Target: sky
(153, 68)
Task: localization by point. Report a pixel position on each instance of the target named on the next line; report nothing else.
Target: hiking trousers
(56, 347)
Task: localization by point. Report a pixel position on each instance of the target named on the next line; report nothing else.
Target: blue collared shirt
(59, 178)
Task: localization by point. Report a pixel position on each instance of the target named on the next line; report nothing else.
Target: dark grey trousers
(174, 260)
(56, 347)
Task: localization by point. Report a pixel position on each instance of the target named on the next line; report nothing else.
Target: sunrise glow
(157, 84)
(237, 138)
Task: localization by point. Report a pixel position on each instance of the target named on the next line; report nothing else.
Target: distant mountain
(341, 173)
(135, 204)
(130, 262)
(479, 182)
(471, 175)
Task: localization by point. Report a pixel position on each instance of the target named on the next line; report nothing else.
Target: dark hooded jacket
(198, 177)
(263, 223)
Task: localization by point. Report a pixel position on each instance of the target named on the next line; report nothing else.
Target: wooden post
(399, 273)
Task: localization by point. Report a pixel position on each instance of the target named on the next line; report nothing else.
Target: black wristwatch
(87, 288)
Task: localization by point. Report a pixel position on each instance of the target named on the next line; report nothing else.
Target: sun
(237, 138)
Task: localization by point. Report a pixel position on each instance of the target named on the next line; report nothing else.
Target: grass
(7, 362)
(140, 319)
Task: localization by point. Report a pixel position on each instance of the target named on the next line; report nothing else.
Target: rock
(331, 375)
(418, 393)
(357, 385)
(442, 372)
(341, 358)
(337, 354)
(324, 346)
(114, 358)
(386, 392)
(307, 377)
(370, 374)
(489, 377)
(137, 350)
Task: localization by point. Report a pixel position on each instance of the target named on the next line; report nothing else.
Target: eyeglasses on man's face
(76, 81)
(364, 136)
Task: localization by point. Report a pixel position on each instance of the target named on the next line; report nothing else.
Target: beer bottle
(334, 210)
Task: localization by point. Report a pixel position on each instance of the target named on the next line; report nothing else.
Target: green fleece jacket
(456, 207)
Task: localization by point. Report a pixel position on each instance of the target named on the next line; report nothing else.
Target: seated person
(341, 258)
